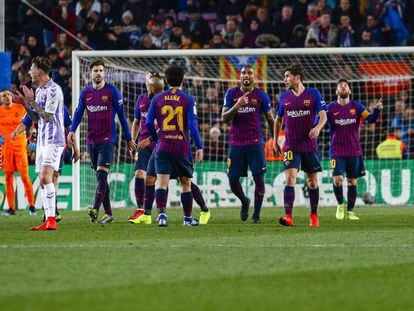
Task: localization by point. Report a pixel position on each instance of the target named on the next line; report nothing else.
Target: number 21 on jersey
(172, 114)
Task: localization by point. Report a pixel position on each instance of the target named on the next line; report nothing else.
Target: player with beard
(102, 102)
(243, 106)
(302, 110)
(344, 116)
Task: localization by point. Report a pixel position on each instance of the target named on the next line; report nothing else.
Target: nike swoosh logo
(336, 113)
(288, 103)
(88, 98)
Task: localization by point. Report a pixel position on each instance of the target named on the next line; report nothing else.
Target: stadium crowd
(192, 24)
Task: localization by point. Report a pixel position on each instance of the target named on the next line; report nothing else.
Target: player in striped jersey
(243, 106)
(175, 113)
(344, 118)
(102, 102)
(47, 102)
(302, 110)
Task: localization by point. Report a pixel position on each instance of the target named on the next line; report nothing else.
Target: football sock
(50, 195)
(149, 199)
(259, 192)
(28, 188)
(339, 193)
(107, 203)
(10, 189)
(139, 191)
(102, 185)
(198, 197)
(352, 194)
(161, 199)
(237, 189)
(314, 200)
(187, 202)
(288, 199)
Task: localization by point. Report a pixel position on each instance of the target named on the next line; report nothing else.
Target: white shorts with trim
(48, 155)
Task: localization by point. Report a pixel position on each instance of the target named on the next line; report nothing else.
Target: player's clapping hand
(18, 98)
(378, 104)
(199, 155)
(28, 93)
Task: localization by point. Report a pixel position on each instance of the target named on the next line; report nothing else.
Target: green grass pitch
(225, 265)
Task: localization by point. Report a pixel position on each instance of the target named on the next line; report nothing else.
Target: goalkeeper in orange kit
(14, 152)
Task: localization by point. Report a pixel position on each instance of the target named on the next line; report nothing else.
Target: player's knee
(338, 181)
(150, 180)
(9, 178)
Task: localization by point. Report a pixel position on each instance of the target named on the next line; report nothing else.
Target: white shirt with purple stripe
(50, 98)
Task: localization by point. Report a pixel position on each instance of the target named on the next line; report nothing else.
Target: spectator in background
(300, 8)
(30, 22)
(107, 14)
(266, 25)
(65, 17)
(140, 10)
(56, 61)
(187, 42)
(130, 28)
(177, 31)
(299, 36)
(217, 42)
(371, 24)
(63, 46)
(230, 9)
(168, 26)
(214, 146)
(322, 6)
(311, 13)
(249, 36)
(393, 23)
(145, 43)
(117, 39)
(392, 147)
(231, 35)
(159, 39)
(346, 33)
(346, 8)
(323, 31)
(284, 26)
(84, 8)
(197, 26)
(62, 76)
(366, 39)
(35, 46)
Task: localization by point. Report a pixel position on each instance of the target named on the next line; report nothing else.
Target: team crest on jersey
(307, 102)
(352, 111)
(287, 163)
(17, 114)
(43, 97)
(104, 98)
(254, 101)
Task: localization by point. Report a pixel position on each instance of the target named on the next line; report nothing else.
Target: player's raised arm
(371, 117)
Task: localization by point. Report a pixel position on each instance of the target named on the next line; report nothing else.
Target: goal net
(372, 73)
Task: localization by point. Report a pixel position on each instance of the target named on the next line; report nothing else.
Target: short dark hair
(295, 70)
(342, 80)
(42, 63)
(96, 63)
(174, 75)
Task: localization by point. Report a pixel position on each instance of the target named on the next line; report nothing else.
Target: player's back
(10, 118)
(142, 105)
(171, 113)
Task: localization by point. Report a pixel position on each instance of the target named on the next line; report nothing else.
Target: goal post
(385, 72)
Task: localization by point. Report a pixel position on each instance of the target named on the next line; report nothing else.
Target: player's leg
(141, 165)
(355, 168)
(164, 169)
(311, 165)
(338, 167)
(9, 180)
(257, 164)
(291, 164)
(22, 165)
(187, 201)
(237, 167)
(205, 214)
